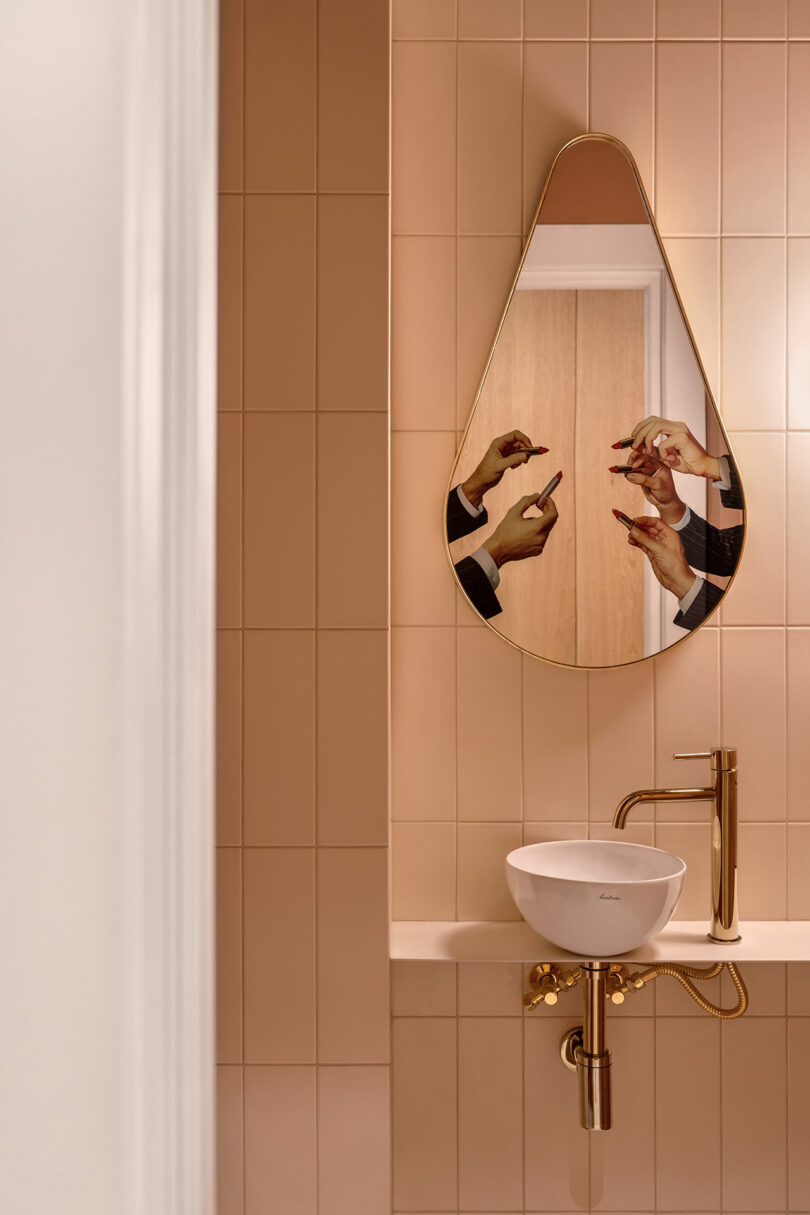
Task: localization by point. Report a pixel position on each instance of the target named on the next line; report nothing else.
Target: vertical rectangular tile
(229, 737)
(482, 890)
(695, 268)
(753, 137)
(424, 1114)
(798, 714)
(229, 955)
(556, 1149)
(753, 342)
(555, 98)
(352, 302)
(422, 583)
(799, 1113)
(688, 19)
(798, 868)
(754, 18)
(486, 268)
(229, 520)
(753, 674)
(687, 120)
(423, 19)
(230, 1142)
(280, 1141)
(279, 577)
(623, 1162)
(353, 53)
(279, 957)
(490, 18)
(489, 137)
(490, 1095)
(423, 137)
(423, 333)
(686, 675)
(798, 19)
(765, 982)
(490, 752)
(490, 989)
(621, 99)
(352, 737)
(798, 137)
(555, 742)
(280, 95)
(763, 860)
(798, 546)
(231, 76)
(352, 997)
(352, 497)
(687, 1114)
(354, 1167)
(693, 843)
(423, 878)
(279, 737)
(279, 321)
(620, 737)
(754, 1096)
(555, 19)
(423, 724)
(798, 322)
(229, 303)
(423, 989)
(622, 18)
(758, 594)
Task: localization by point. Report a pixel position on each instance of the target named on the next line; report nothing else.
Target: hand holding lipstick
(663, 548)
(677, 449)
(506, 451)
(657, 485)
(516, 537)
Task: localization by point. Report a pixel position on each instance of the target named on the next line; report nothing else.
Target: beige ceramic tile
(490, 18)
(489, 137)
(762, 871)
(798, 714)
(423, 723)
(280, 59)
(672, 1001)
(352, 778)
(423, 989)
(556, 1158)
(229, 737)
(687, 719)
(620, 738)
(555, 102)
(621, 99)
(279, 320)
(229, 955)
(754, 1095)
(798, 872)
(555, 747)
(692, 842)
(766, 983)
(423, 320)
(798, 548)
(422, 583)
(230, 1141)
(799, 989)
(490, 1098)
(280, 1140)
(423, 138)
(279, 737)
(353, 92)
(353, 980)
(486, 268)
(695, 268)
(555, 19)
(754, 18)
(354, 1166)
(633, 833)
(623, 1163)
(423, 876)
(489, 728)
(352, 497)
(687, 120)
(279, 961)
(352, 302)
(229, 303)
(753, 344)
(688, 19)
(541, 833)
(798, 138)
(753, 137)
(231, 90)
(490, 989)
(799, 1114)
(622, 18)
(798, 19)
(424, 19)
(753, 674)
(687, 1114)
(798, 308)
(229, 520)
(758, 594)
(424, 1114)
(482, 889)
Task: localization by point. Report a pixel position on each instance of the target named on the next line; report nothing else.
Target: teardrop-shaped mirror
(594, 512)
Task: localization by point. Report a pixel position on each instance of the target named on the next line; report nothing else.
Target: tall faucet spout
(658, 795)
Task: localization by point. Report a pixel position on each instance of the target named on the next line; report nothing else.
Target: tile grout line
(315, 589)
(243, 252)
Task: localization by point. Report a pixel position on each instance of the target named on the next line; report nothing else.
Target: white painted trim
(168, 461)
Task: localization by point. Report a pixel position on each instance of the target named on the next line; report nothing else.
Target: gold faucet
(722, 794)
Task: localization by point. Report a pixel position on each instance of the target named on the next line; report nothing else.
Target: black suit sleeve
(459, 521)
(705, 601)
(715, 550)
(733, 496)
(477, 587)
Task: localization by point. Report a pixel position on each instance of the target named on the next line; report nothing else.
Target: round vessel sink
(593, 897)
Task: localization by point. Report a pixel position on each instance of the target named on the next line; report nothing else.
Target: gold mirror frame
(616, 143)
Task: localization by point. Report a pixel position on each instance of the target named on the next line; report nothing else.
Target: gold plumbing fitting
(547, 981)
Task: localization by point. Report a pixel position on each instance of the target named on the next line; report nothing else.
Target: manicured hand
(663, 548)
(678, 448)
(507, 451)
(517, 537)
(657, 485)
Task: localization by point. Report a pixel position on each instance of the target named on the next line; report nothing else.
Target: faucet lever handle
(694, 755)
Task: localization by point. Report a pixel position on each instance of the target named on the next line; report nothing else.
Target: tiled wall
(303, 982)
(491, 750)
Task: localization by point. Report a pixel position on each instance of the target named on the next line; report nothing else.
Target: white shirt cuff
(681, 524)
(475, 511)
(488, 566)
(691, 595)
(725, 476)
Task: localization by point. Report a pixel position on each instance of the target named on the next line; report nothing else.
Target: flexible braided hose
(684, 974)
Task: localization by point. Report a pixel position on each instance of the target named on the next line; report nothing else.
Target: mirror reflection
(595, 513)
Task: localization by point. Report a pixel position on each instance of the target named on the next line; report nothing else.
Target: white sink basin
(592, 897)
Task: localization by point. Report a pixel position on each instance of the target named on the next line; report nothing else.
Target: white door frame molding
(168, 488)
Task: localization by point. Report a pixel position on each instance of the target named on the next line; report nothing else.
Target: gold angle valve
(546, 981)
